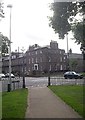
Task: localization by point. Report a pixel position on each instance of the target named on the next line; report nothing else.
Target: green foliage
(73, 64)
(72, 95)
(4, 44)
(79, 32)
(1, 10)
(14, 104)
(62, 13)
(63, 17)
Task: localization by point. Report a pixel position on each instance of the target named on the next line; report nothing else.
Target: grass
(73, 95)
(14, 103)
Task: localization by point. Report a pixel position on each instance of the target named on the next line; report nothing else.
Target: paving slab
(43, 103)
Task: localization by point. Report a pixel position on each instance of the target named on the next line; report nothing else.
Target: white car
(2, 75)
(7, 75)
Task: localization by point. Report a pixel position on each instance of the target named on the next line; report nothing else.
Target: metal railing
(63, 81)
(17, 83)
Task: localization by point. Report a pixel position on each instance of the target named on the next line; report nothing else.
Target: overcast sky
(30, 25)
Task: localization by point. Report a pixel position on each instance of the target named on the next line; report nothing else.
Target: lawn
(73, 95)
(14, 103)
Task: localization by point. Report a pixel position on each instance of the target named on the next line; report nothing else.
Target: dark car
(72, 74)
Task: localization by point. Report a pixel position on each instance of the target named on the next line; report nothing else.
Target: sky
(30, 25)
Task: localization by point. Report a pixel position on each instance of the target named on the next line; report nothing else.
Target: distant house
(16, 63)
(76, 62)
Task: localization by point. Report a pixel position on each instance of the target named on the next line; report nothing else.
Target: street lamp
(67, 51)
(23, 67)
(9, 85)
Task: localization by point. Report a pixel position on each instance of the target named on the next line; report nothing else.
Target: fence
(16, 83)
(62, 81)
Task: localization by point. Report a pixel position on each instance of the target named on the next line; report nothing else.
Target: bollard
(49, 81)
(9, 87)
(23, 82)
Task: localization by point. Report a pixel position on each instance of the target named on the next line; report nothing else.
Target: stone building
(45, 59)
(37, 60)
(16, 63)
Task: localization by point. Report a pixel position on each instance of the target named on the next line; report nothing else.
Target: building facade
(37, 60)
(45, 59)
(17, 63)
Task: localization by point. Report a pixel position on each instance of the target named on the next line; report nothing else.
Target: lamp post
(9, 85)
(67, 51)
(0, 53)
(23, 67)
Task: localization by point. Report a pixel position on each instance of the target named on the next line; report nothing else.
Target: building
(45, 59)
(16, 63)
(37, 60)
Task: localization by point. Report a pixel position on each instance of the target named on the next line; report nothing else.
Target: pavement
(43, 103)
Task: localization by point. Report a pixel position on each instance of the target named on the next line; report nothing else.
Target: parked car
(72, 74)
(7, 75)
(2, 75)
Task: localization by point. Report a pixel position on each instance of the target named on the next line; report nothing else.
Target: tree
(4, 41)
(64, 17)
(1, 10)
(73, 64)
(4, 44)
(79, 34)
(59, 21)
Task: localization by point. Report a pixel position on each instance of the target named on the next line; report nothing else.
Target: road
(39, 82)
(36, 81)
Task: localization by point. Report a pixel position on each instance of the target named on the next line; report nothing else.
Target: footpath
(43, 103)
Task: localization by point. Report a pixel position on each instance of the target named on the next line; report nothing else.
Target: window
(36, 52)
(60, 59)
(29, 61)
(64, 58)
(50, 68)
(29, 68)
(41, 51)
(14, 56)
(41, 68)
(61, 67)
(29, 53)
(49, 59)
(36, 60)
(32, 60)
(41, 59)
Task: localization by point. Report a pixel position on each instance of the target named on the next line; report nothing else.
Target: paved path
(44, 104)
